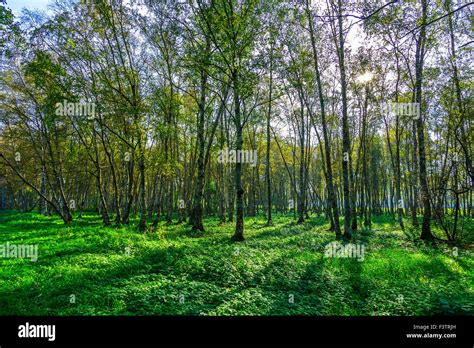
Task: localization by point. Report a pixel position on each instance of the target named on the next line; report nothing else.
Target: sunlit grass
(86, 269)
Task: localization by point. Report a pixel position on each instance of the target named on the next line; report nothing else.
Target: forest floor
(86, 269)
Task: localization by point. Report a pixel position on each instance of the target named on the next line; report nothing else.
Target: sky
(17, 5)
(354, 38)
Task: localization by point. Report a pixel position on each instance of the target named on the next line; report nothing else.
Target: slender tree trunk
(332, 199)
(346, 144)
(420, 52)
(142, 200)
(43, 190)
(301, 188)
(239, 223)
(267, 156)
(196, 213)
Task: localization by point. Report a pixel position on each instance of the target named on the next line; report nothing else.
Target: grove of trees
(353, 108)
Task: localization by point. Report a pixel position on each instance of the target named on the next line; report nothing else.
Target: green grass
(170, 272)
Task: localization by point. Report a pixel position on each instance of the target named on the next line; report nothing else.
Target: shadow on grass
(290, 229)
(210, 279)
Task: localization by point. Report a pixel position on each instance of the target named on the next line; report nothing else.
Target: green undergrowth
(86, 269)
